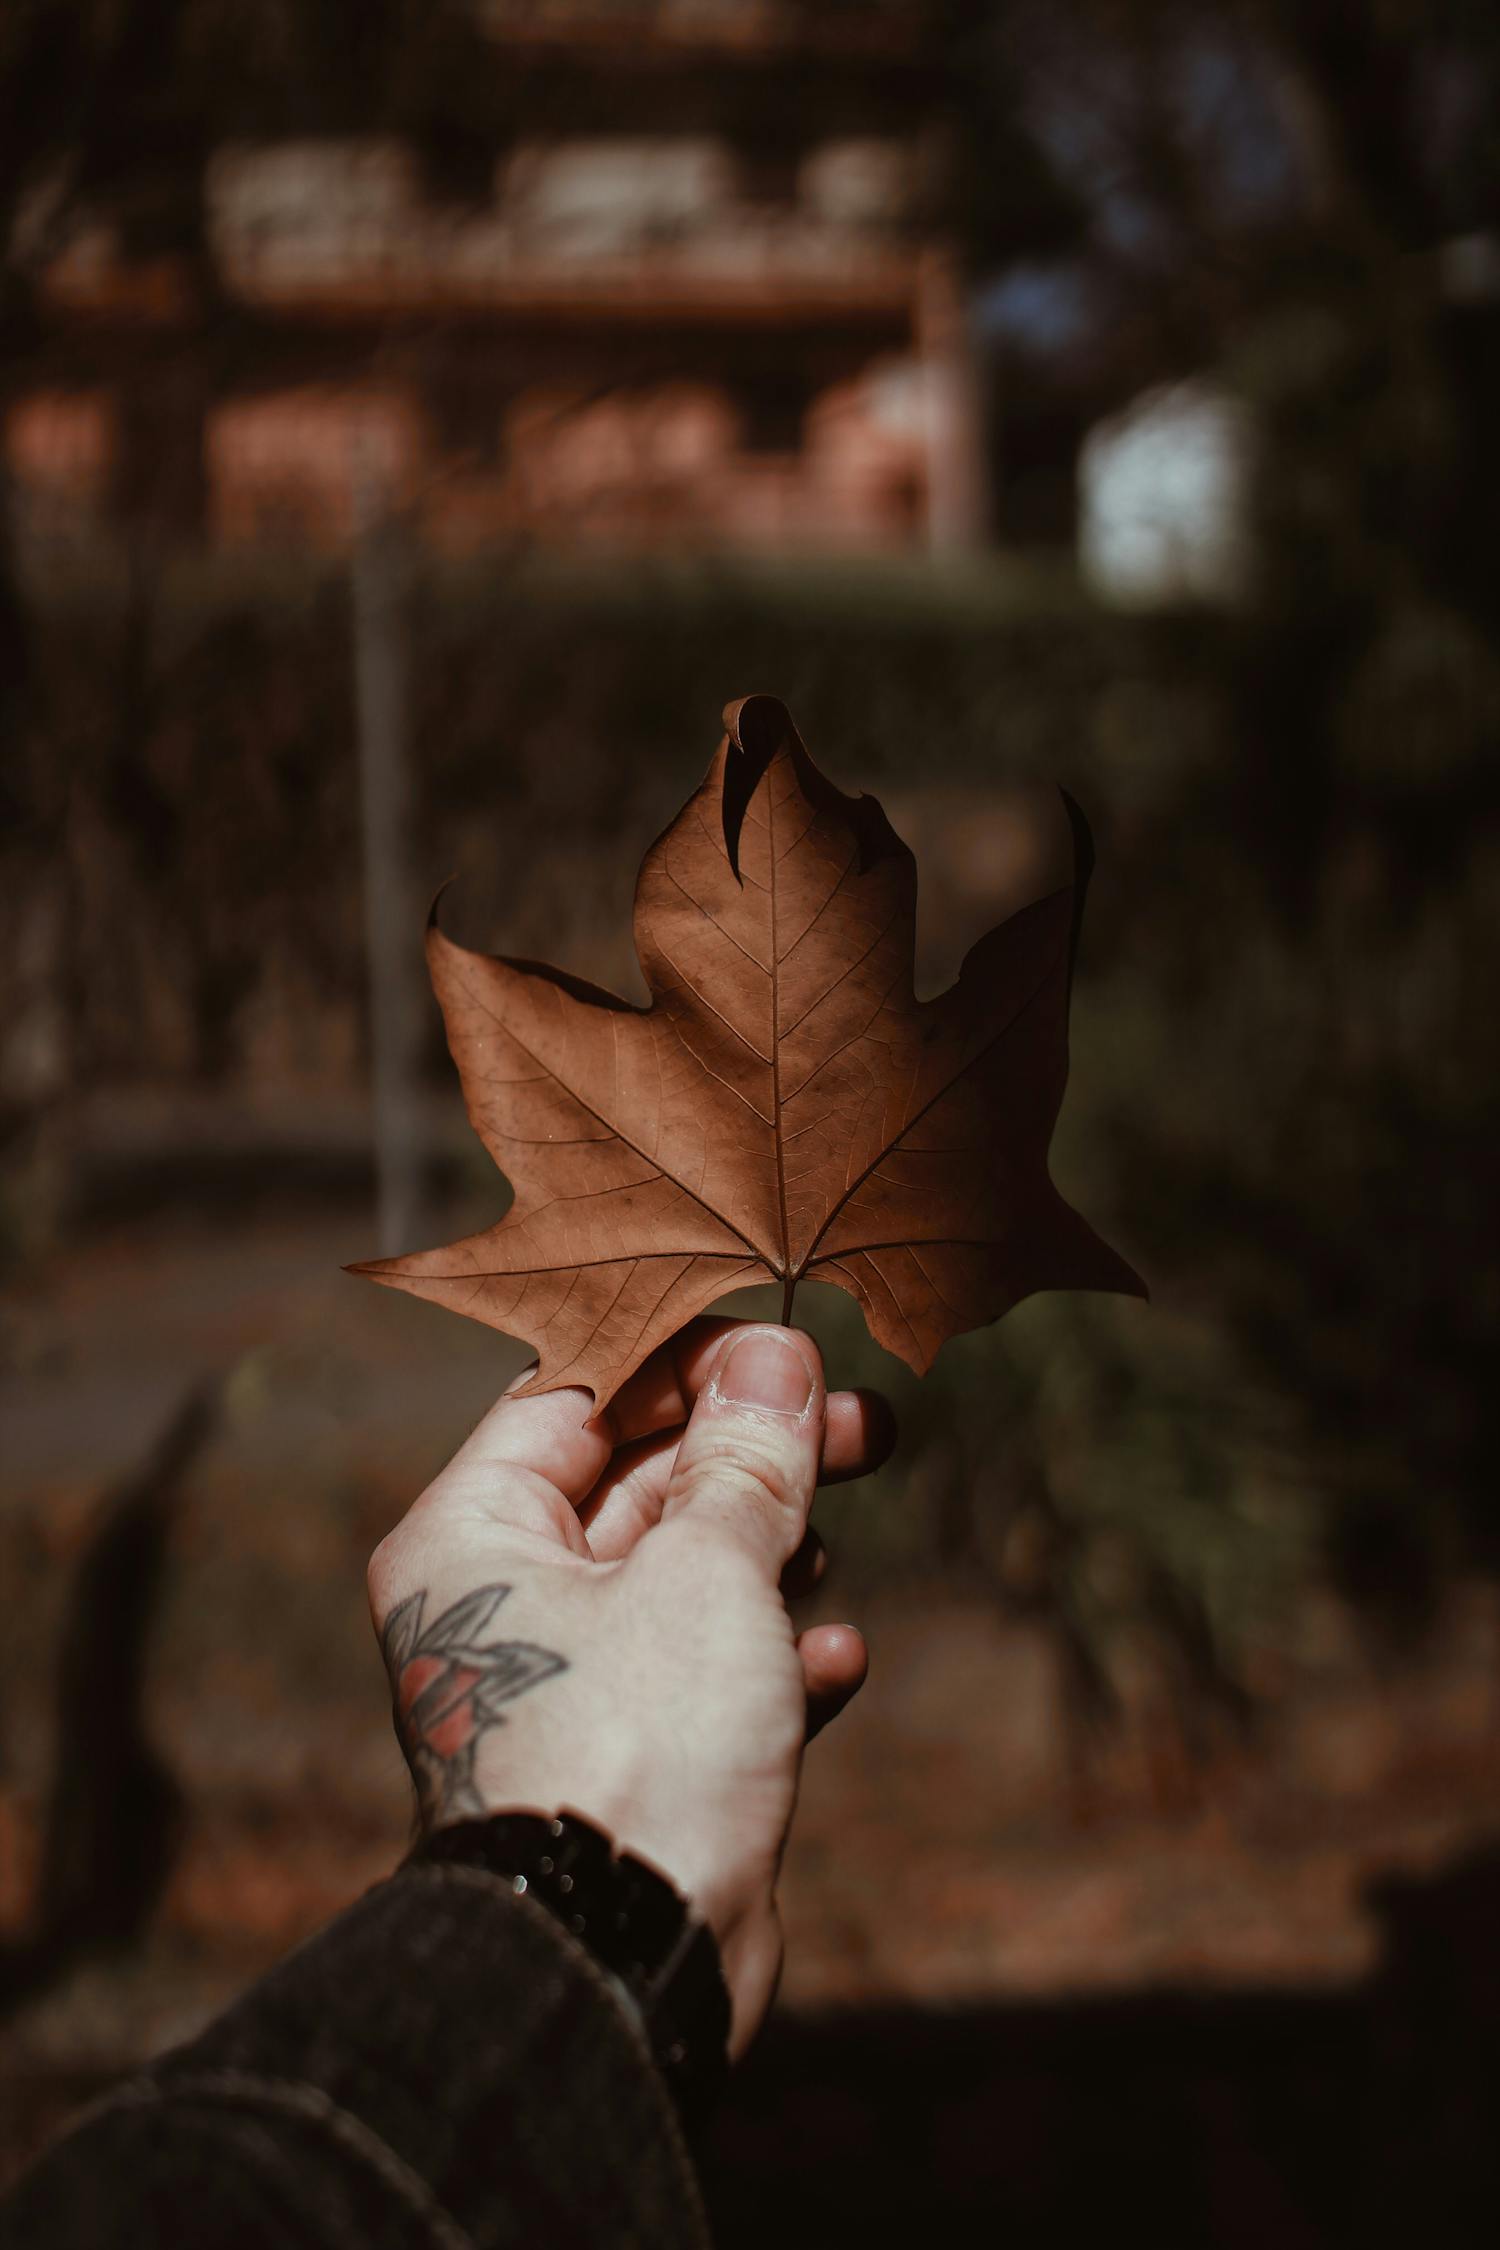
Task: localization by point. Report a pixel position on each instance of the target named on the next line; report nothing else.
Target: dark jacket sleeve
(443, 2067)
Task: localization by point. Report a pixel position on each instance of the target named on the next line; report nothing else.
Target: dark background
(1154, 1874)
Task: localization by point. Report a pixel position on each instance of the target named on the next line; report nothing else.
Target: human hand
(641, 1557)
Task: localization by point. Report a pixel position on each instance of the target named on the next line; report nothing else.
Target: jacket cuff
(632, 1921)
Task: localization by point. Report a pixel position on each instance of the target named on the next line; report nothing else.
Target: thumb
(748, 1460)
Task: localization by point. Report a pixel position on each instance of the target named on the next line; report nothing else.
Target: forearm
(442, 2066)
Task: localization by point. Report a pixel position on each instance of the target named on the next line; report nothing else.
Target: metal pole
(957, 484)
(381, 685)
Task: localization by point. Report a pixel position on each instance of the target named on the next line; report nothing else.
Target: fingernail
(764, 1370)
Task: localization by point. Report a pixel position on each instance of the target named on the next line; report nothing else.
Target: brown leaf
(785, 1108)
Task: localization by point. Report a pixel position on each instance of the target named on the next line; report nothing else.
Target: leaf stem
(788, 1292)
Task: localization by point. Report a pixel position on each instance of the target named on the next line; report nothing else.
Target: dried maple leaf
(785, 1108)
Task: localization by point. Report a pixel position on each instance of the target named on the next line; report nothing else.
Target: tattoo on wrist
(449, 1685)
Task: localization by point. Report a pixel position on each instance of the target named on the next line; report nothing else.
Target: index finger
(530, 1440)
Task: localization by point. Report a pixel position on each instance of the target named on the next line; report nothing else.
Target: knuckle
(378, 1575)
(745, 1470)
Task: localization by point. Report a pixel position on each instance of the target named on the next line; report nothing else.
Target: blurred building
(691, 286)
